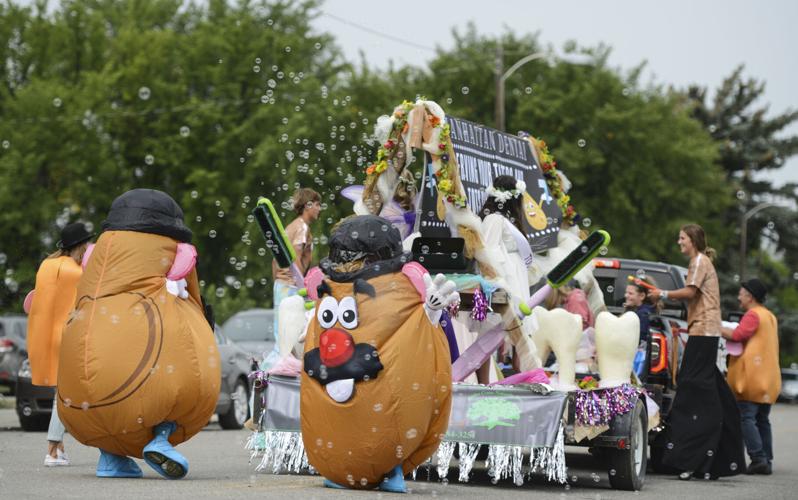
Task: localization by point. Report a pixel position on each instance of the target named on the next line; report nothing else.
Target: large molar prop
(561, 332)
(617, 339)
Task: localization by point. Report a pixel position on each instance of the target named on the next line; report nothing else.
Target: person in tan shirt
(53, 301)
(704, 421)
(307, 204)
(754, 376)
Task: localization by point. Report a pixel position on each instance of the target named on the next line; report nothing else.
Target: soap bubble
(212, 233)
(581, 143)
(149, 159)
(587, 222)
(411, 433)
(378, 407)
(194, 194)
(57, 102)
(465, 90)
(741, 195)
(144, 93)
(185, 131)
(771, 225)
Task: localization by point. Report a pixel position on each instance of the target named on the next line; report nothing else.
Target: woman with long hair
(53, 300)
(502, 232)
(705, 432)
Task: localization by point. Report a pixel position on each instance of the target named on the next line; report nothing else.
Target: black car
(35, 403)
(13, 330)
(613, 276)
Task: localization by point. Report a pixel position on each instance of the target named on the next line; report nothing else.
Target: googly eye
(347, 312)
(328, 312)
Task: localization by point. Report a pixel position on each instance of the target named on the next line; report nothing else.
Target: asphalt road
(219, 468)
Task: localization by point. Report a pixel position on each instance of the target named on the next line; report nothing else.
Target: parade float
(519, 425)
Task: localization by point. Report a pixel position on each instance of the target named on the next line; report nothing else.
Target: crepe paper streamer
(185, 260)
(639, 282)
(28, 302)
(86, 256)
(480, 309)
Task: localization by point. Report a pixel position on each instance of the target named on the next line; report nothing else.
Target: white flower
(503, 195)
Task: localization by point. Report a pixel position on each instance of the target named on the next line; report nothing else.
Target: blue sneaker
(161, 455)
(394, 481)
(111, 465)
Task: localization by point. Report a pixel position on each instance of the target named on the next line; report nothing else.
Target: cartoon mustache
(365, 362)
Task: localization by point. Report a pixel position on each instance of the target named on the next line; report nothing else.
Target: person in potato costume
(375, 393)
(139, 367)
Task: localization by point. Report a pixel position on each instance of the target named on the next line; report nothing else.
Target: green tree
(750, 142)
(214, 104)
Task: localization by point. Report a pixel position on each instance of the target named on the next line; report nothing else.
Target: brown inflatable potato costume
(139, 363)
(376, 386)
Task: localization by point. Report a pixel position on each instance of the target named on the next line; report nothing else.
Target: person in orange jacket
(754, 375)
(53, 300)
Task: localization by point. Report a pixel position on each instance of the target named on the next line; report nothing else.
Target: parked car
(789, 385)
(35, 403)
(13, 330)
(233, 405)
(252, 330)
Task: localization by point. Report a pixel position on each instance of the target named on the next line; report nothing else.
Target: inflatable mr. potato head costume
(376, 386)
(139, 368)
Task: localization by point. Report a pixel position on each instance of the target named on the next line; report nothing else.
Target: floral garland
(388, 149)
(443, 163)
(504, 195)
(549, 167)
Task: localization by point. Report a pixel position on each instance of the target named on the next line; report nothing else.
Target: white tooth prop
(616, 344)
(341, 390)
(291, 323)
(559, 331)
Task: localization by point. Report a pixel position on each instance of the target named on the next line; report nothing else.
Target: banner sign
(482, 154)
(480, 414)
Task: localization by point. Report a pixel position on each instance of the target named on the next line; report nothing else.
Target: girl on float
(705, 432)
(502, 232)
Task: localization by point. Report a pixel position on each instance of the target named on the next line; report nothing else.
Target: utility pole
(499, 73)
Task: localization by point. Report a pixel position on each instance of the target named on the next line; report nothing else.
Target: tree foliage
(218, 103)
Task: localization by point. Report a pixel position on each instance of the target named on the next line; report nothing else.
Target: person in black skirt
(705, 434)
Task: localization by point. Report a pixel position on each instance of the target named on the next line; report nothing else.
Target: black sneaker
(759, 468)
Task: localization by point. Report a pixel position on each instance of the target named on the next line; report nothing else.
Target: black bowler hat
(73, 235)
(756, 288)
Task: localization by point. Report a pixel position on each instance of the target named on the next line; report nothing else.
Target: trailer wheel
(627, 468)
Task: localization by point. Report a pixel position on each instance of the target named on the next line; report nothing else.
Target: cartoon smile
(339, 362)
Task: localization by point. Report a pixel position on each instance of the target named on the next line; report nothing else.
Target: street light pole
(744, 232)
(502, 76)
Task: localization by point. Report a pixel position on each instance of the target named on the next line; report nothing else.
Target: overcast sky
(683, 41)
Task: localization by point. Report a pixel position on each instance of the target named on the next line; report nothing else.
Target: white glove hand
(177, 288)
(440, 293)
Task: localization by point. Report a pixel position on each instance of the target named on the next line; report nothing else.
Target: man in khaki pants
(754, 376)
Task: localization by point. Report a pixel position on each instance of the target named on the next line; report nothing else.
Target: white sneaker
(62, 455)
(54, 461)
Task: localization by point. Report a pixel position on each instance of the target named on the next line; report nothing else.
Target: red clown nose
(336, 347)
